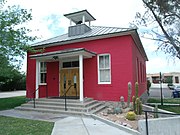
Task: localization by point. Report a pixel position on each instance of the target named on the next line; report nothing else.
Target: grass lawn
(169, 100)
(175, 109)
(9, 103)
(16, 126)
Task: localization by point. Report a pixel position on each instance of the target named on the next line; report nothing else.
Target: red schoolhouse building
(89, 61)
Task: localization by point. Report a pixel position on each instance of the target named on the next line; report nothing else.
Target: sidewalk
(84, 126)
(12, 94)
(68, 125)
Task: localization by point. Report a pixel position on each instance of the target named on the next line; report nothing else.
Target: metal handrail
(68, 91)
(65, 96)
(34, 97)
(146, 117)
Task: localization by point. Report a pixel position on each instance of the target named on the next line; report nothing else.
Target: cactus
(137, 104)
(134, 105)
(131, 115)
(140, 108)
(122, 102)
(117, 110)
(129, 93)
(156, 110)
(136, 90)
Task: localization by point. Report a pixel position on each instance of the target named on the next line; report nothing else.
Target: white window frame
(99, 82)
(40, 72)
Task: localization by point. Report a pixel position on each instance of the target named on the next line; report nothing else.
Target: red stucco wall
(139, 70)
(31, 77)
(122, 51)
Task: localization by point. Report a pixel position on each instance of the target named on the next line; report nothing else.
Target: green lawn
(175, 109)
(16, 126)
(9, 103)
(169, 100)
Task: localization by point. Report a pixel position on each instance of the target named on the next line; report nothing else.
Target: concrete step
(58, 106)
(98, 109)
(70, 108)
(62, 100)
(44, 110)
(62, 103)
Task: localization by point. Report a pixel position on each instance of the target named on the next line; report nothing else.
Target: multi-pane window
(43, 71)
(104, 69)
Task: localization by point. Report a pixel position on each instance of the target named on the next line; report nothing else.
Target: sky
(48, 21)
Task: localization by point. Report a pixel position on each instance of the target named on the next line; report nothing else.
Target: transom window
(104, 69)
(43, 72)
(70, 64)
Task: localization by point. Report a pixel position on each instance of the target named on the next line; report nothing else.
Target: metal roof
(95, 31)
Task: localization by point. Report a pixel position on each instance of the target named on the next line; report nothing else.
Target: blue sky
(48, 21)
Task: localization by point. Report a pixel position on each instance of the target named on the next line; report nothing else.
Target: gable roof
(96, 32)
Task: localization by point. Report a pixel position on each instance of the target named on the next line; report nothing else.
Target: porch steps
(74, 107)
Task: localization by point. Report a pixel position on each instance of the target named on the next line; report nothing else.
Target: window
(104, 69)
(70, 64)
(176, 79)
(43, 71)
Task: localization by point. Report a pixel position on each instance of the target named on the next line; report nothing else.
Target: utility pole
(161, 88)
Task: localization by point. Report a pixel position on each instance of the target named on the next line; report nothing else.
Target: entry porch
(61, 70)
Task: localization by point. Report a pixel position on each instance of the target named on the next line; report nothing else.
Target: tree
(14, 36)
(10, 77)
(14, 41)
(161, 22)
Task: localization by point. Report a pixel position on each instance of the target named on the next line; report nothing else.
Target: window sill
(43, 84)
(104, 84)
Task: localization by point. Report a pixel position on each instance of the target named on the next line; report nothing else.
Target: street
(156, 92)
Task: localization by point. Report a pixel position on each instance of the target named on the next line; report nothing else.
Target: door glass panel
(64, 82)
(75, 81)
(74, 78)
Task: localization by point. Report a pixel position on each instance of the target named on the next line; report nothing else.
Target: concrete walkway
(67, 125)
(12, 94)
(84, 126)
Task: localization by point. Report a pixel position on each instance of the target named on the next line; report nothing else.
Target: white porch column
(83, 19)
(81, 77)
(70, 22)
(37, 79)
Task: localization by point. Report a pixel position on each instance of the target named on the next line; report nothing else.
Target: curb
(131, 131)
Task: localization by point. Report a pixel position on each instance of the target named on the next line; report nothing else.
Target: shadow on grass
(10, 103)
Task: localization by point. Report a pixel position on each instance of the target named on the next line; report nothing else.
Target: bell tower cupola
(78, 22)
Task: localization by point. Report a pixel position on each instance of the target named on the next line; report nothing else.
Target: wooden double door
(69, 82)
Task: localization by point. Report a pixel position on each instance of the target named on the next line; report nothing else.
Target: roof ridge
(112, 27)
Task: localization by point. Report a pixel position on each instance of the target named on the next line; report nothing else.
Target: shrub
(131, 115)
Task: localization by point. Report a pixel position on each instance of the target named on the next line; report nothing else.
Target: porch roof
(67, 53)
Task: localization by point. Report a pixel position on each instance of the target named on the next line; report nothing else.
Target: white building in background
(173, 76)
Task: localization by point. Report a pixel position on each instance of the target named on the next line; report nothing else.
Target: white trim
(83, 19)
(37, 78)
(98, 68)
(81, 97)
(42, 83)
